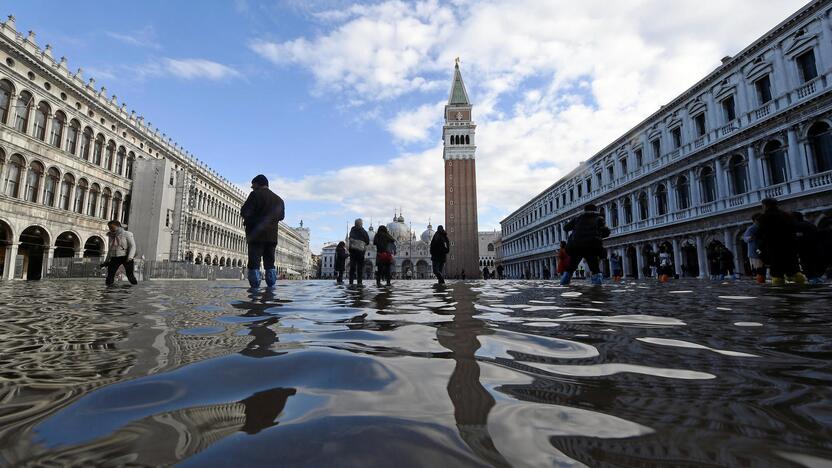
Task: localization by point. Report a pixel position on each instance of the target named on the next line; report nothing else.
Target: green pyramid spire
(458, 94)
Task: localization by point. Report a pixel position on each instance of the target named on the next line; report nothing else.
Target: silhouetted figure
(385, 250)
(751, 238)
(341, 256)
(500, 272)
(777, 234)
(439, 248)
(262, 213)
(358, 239)
(587, 230)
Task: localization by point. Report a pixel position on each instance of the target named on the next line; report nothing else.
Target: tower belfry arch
(459, 158)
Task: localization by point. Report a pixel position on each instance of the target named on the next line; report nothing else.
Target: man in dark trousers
(122, 249)
(261, 213)
(358, 240)
(587, 230)
(439, 248)
(777, 237)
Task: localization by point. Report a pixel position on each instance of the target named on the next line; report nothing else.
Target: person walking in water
(440, 245)
(385, 251)
(750, 236)
(585, 242)
(665, 269)
(615, 266)
(340, 261)
(776, 236)
(726, 263)
(262, 213)
(358, 240)
(121, 250)
(563, 259)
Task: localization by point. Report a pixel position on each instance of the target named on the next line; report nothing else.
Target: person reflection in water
(471, 400)
(263, 408)
(264, 336)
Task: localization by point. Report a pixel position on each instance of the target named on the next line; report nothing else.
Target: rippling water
(508, 373)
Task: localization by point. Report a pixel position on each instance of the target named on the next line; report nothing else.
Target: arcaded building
(72, 157)
(689, 177)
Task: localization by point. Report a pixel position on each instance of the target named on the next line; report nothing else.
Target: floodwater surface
(497, 373)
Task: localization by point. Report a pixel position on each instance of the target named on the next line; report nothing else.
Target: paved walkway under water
(502, 373)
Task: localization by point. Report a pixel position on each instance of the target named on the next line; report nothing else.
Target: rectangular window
(639, 158)
(599, 179)
(589, 184)
(580, 190)
(763, 87)
(806, 66)
(611, 173)
(728, 109)
(657, 148)
(167, 219)
(699, 120)
(623, 163)
(571, 195)
(676, 134)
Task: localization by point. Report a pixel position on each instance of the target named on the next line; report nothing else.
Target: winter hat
(260, 180)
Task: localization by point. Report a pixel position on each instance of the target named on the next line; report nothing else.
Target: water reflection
(502, 373)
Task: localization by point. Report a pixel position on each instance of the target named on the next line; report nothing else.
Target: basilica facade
(689, 177)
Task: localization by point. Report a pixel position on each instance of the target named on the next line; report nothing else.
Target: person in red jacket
(563, 258)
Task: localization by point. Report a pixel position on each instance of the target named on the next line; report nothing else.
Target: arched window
(86, 141)
(13, 174)
(490, 247)
(738, 174)
(66, 192)
(109, 155)
(50, 188)
(106, 195)
(643, 206)
(707, 184)
(22, 109)
(774, 156)
(116, 206)
(467, 139)
(56, 133)
(628, 211)
(40, 121)
(92, 204)
(820, 140)
(122, 156)
(72, 136)
(129, 170)
(97, 150)
(661, 199)
(682, 193)
(33, 177)
(614, 214)
(80, 196)
(6, 91)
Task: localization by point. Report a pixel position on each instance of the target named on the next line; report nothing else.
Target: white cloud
(552, 81)
(145, 37)
(193, 68)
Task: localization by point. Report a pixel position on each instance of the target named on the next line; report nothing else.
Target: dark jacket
(341, 258)
(384, 242)
(587, 229)
(261, 212)
(361, 234)
(439, 247)
(776, 234)
(807, 238)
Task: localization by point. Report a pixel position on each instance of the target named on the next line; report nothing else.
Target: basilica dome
(398, 229)
(427, 236)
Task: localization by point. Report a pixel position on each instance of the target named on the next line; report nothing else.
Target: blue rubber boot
(271, 277)
(254, 278)
(597, 279)
(565, 278)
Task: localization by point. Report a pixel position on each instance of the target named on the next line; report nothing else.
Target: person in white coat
(121, 250)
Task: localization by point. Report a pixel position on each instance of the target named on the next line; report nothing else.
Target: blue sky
(340, 103)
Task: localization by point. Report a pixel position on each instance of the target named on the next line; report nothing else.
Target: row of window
(215, 260)
(61, 134)
(199, 231)
(762, 86)
(37, 184)
(638, 207)
(217, 208)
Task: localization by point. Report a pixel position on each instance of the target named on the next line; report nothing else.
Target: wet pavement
(498, 373)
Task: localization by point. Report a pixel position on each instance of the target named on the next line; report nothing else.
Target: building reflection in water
(472, 402)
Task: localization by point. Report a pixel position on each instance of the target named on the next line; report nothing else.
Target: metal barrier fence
(144, 270)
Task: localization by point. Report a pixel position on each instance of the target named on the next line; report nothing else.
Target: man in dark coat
(358, 240)
(776, 235)
(587, 230)
(809, 248)
(439, 248)
(261, 213)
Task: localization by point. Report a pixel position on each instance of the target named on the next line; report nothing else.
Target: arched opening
(774, 157)
(92, 204)
(407, 269)
(6, 91)
(66, 244)
(33, 178)
(6, 239)
(65, 198)
(682, 193)
(106, 195)
(614, 214)
(467, 139)
(649, 261)
(207, 259)
(820, 141)
(41, 115)
(128, 172)
(189, 256)
(116, 212)
(707, 184)
(628, 211)
(86, 142)
(14, 173)
(98, 150)
(109, 155)
(120, 159)
(742, 252)
(712, 252)
(632, 259)
(198, 259)
(33, 243)
(422, 270)
(80, 196)
(72, 132)
(661, 199)
(50, 189)
(643, 206)
(56, 132)
(216, 261)
(22, 111)
(94, 247)
(738, 174)
(690, 260)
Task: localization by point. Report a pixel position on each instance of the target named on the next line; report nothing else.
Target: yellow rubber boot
(777, 281)
(798, 278)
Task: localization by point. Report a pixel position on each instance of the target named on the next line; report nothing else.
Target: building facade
(73, 158)
(689, 177)
(459, 155)
(486, 243)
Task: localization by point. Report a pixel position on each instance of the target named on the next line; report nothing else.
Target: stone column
(48, 255)
(12, 110)
(824, 44)
(47, 130)
(701, 257)
(9, 263)
(639, 260)
(754, 173)
(693, 184)
(720, 176)
(677, 256)
(796, 165)
(728, 240)
(672, 203)
(620, 207)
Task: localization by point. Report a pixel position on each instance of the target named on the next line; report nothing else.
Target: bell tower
(459, 155)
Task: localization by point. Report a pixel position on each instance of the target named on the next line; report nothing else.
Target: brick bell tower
(460, 182)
